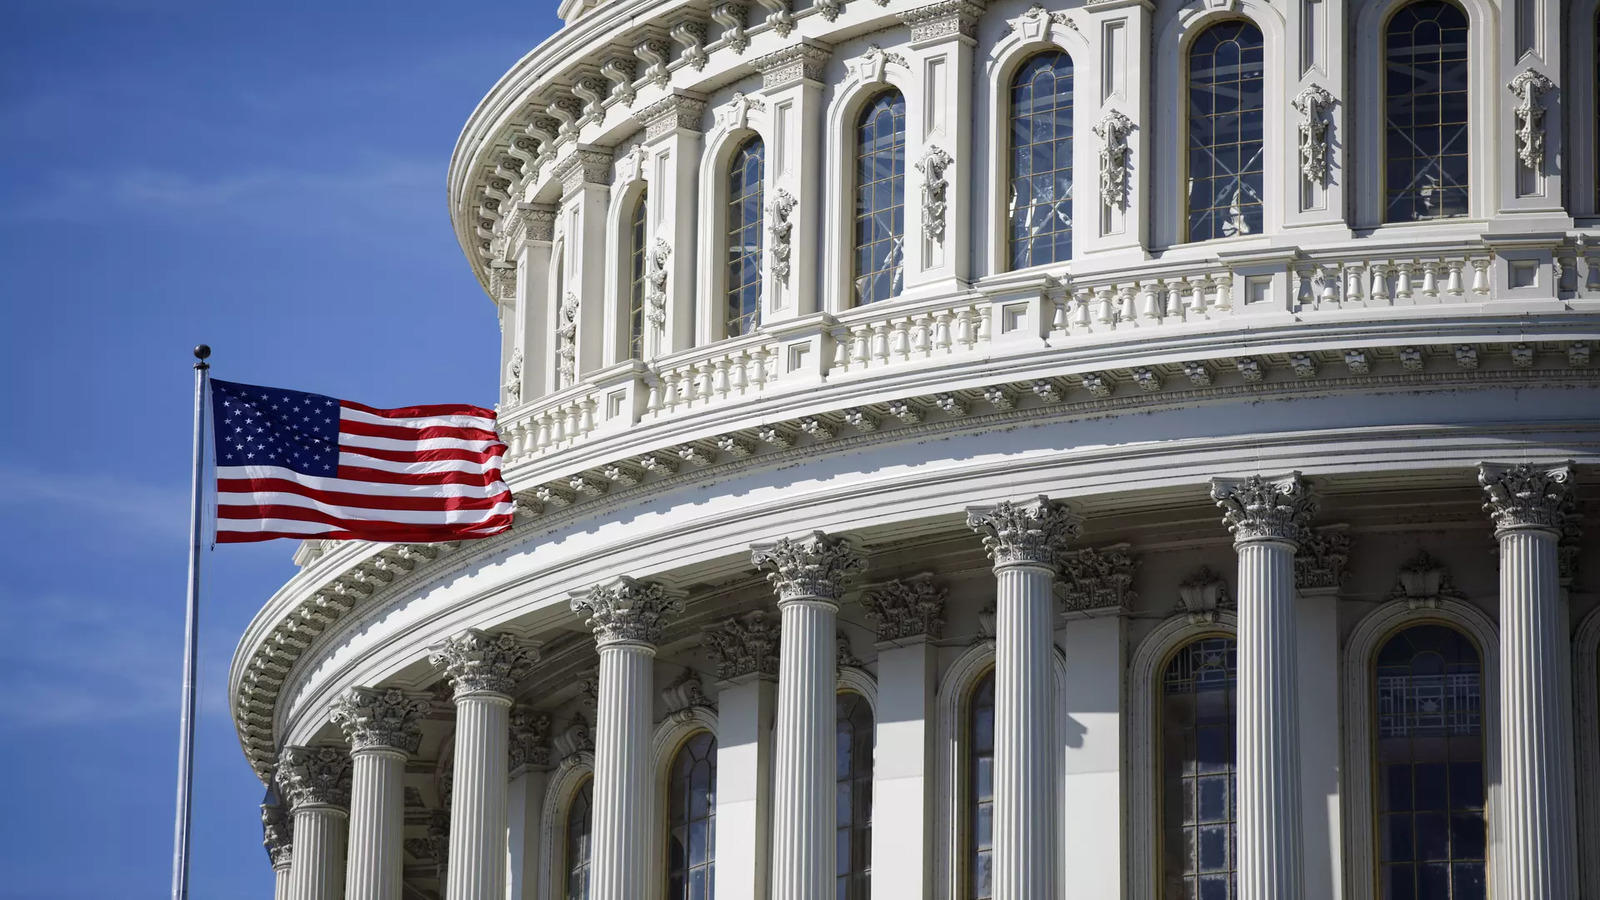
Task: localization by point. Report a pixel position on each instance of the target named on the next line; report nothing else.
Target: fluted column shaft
(1024, 730)
(1268, 730)
(377, 824)
(280, 882)
(317, 870)
(623, 818)
(478, 798)
(1537, 819)
(805, 819)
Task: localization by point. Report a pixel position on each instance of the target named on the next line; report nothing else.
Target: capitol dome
(1119, 450)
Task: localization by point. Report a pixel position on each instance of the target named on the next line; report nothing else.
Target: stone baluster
(383, 729)
(1269, 519)
(316, 782)
(483, 669)
(628, 618)
(1536, 819)
(1024, 540)
(277, 835)
(809, 575)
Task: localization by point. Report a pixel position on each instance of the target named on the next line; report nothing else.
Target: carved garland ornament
(1423, 583)
(1314, 104)
(747, 645)
(1202, 596)
(513, 383)
(626, 611)
(1258, 509)
(659, 255)
(934, 187)
(566, 339)
(781, 229)
(814, 567)
(1113, 130)
(1033, 532)
(907, 608)
(1098, 579)
(530, 738)
(1320, 561)
(1529, 87)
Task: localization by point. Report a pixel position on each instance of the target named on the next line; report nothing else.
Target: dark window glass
(744, 224)
(1430, 784)
(880, 198)
(1227, 65)
(853, 856)
(980, 790)
(1198, 787)
(636, 283)
(1425, 112)
(691, 819)
(1041, 161)
(578, 825)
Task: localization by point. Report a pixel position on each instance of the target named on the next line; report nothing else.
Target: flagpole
(180, 838)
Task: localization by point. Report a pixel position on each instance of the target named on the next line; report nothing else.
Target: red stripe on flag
(480, 456)
(380, 476)
(417, 412)
(418, 534)
(401, 432)
(353, 502)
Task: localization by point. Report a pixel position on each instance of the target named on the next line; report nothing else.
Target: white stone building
(901, 516)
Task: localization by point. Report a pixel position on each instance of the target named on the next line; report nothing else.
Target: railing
(867, 341)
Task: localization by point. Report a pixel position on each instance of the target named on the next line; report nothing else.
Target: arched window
(980, 790)
(1041, 161)
(636, 282)
(1425, 112)
(853, 859)
(691, 819)
(1429, 757)
(1198, 809)
(744, 237)
(1227, 65)
(578, 828)
(880, 225)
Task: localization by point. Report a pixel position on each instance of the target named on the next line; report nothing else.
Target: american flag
(298, 465)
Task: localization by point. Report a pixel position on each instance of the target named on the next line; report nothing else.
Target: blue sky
(265, 177)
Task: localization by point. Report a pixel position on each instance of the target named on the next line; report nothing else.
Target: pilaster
(1315, 183)
(1527, 140)
(673, 139)
(791, 82)
(745, 653)
(532, 313)
(810, 574)
(1114, 176)
(580, 318)
(1320, 567)
(529, 762)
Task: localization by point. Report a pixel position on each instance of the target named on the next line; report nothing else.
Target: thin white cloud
(130, 508)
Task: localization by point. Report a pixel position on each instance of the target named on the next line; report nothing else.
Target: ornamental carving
(575, 738)
(1113, 130)
(1314, 103)
(781, 229)
(779, 17)
(439, 843)
(539, 221)
(513, 385)
(566, 339)
(692, 35)
(1202, 596)
(731, 17)
(1423, 583)
(932, 165)
(685, 693)
(655, 53)
(1260, 509)
(583, 166)
(735, 114)
(1529, 87)
(1522, 496)
(1098, 578)
(814, 567)
(906, 608)
(628, 611)
(844, 655)
(801, 62)
(530, 738)
(503, 280)
(1321, 558)
(277, 831)
(946, 19)
(747, 645)
(1033, 532)
(1569, 548)
(670, 114)
(1035, 24)
(477, 661)
(872, 67)
(620, 71)
(314, 776)
(374, 718)
(829, 9)
(660, 253)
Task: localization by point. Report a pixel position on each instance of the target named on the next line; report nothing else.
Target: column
(383, 728)
(908, 616)
(791, 81)
(530, 770)
(580, 306)
(277, 836)
(531, 326)
(672, 142)
(809, 575)
(744, 651)
(316, 782)
(1319, 570)
(1268, 519)
(1537, 821)
(628, 618)
(483, 669)
(1024, 541)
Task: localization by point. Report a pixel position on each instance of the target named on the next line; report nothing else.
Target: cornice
(315, 601)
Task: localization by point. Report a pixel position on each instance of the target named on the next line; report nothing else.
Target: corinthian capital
(627, 611)
(1033, 532)
(530, 738)
(483, 661)
(1525, 496)
(1262, 509)
(816, 566)
(373, 719)
(908, 608)
(744, 646)
(314, 776)
(277, 831)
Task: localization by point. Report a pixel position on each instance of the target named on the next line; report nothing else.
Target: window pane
(854, 796)
(744, 236)
(979, 791)
(1041, 161)
(578, 825)
(636, 281)
(1425, 110)
(691, 818)
(1226, 89)
(1198, 696)
(1428, 702)
(880, 197)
